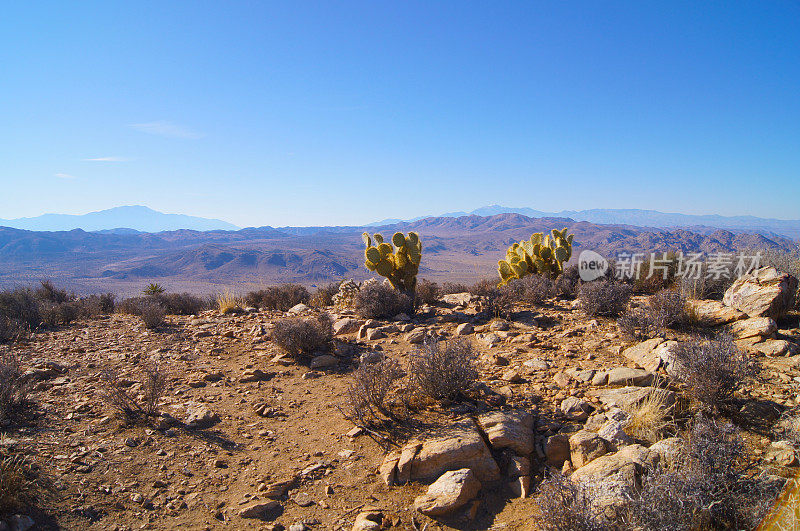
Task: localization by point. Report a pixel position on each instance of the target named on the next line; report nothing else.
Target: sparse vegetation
(531, 289)
(303, 337)
(427, 292)
(650, 419)
(152, 385)
(153, 289)
(563, 505)
(152, 314)
(323, 296)
(713, 370)
(15, 386)
(443, 369)
(568, 283)
(368, 391)
(665, 309)
(18, 485)
(377, 300)
(228, 303)
(604, 297)
(281, 297)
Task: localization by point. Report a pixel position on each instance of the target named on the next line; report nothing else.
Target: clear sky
(340, 112)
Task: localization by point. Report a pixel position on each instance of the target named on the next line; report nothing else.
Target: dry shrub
(152, 314)
(713, 370)
(280, 298)
(650, 419)
(377, 300)
(603, 297)
(15, 386)
(453, 287)
(152, 385)
(366, 399)
(182, 303)
(665, 309)
(18, 485)
(562, 505)
(531, 289)
(713, 484)
(427, 292)
(303, 337)
(568, 282)
(443, 369)
(485, 288)
(323, 297)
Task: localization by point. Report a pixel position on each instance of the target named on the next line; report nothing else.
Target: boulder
(775, 347)
(765, 292)
(464, 329)
(585, 447)
(576, 409)
(416, 336)
(627, 376)
(781, 453)
(509, 430)
(762, 327)
(374, 333)
(613, 432)
(199, 416)
(451, 491)
(713, 313)
(346, 325)
(323, 361)
(263, 510)
(642, 354)
(665, 452)
(458, 299)
(556, 449)
(297, 309)
(627, 397)
(624, 466)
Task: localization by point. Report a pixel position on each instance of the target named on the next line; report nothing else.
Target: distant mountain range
(118, 220)
(643, 218)
(459, 249)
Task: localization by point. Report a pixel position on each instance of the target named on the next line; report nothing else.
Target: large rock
(576, 409)
(585, 447)
(714, 313)
(611, 478)
(776, 347)
(262, 510)
(346, 325)
(556, 449)
(458, 299)
(765, 292)
(762, 327)
(627, 397)
(643, 354)
(628, 376)
(460, 447)
(416, 336)
(509, 430)
(200, 417)
(452, 490)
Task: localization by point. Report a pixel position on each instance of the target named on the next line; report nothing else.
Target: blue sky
(308, 113)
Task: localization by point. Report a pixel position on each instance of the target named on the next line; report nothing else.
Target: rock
(451, 491)
(464, 329)
(537, 364)
(416, 336)
(260, 510)
(298, 526)
(491, 339)
(713, 313)
(458, 299)
(666, 353)
(461, 447)
(388, 468)
(255, 375)
(200, 417)
(781, 453)
(627, 397)
(323, 362)
(402, 317)
(405, 461)
(776, 347)
(520, 487)
(297, 309)
(626, 376)
(518, 466)
(374, 333)
(576, 409)
(585, 447)
(509, 430)
(562, 379)
(556, 449)
(512, 376)
(499, 325)
(613, 432)
(764, 292)
(303, 499)
(642, 354)
(754, 327)
(346, 325)
(665, 452)
(20, 522)
(368, 521)
(631, 460)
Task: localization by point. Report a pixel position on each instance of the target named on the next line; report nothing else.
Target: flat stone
(464, 329)
(776, 347)
(576, 409)
(556, 449)
(627, 376)
(323, 362)
(451, 491)
(713, 313)
(416, 336)
(642, 354)
(627, 397)
(763, 327)
(461, 447)
(346, 325)
(261, 510)
(585, 447)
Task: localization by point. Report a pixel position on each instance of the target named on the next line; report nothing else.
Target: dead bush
(562, 505)
(18, 485)
(323, 297)
(713, 370)
(603, 297)
(377, 300)
(443, 369)
(15, 386)
(427, 292)
(151, 387)
(152, 314)
(366, 400)
(568, 282)
(531, 289)
(713, 484)
(181, 303)
(453, 287)
(281, 298)
(19, 312)
(665, 309)
(303, 337)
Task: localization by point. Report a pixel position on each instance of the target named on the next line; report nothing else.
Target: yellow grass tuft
(227, 302)
(650, 418)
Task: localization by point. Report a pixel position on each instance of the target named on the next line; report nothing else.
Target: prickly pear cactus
(398, 261)
(542, 254)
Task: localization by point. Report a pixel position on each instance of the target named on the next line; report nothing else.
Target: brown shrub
(152, 314)
(303, 337)
(152, 384)
(323, 296)
(568, 282)
(377, 300)
(442, 370)
(427, 292)
(603, 297)
(562, 505)
(665, 309)
(18, 485)
(366, 399)
(278, 297)
(15, 386)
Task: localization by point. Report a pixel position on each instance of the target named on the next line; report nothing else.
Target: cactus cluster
(347, 293)
(543, 255)
(397, 261)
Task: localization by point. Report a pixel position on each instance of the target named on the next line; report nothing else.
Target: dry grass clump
(713, 370)
(665, 309)
(603, 297)
(377, 300)
(562, 505)
(366, 399)
(713, 484)
(651, 418)
(15, 386)
(18, 485)
(152, 315)
(228, 303)
(303, 337)
(152, 385)
(278, 297)
(443, 369)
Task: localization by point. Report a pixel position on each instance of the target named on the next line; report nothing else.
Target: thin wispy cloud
(106, 159)
(64, 176)
(167, 129)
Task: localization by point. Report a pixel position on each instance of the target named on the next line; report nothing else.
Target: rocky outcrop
(765, 292)
(713, 313)
(512, 430)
